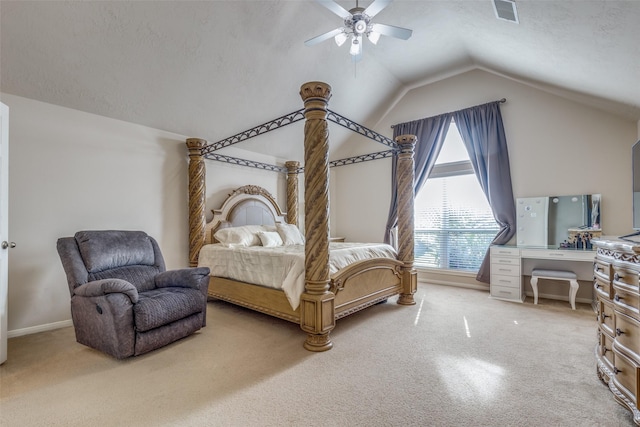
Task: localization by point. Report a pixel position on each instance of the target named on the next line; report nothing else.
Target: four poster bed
(332, 280)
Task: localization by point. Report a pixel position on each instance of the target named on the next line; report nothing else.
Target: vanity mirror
(558, 221)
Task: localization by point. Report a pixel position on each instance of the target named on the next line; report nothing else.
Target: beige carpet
(455, 358)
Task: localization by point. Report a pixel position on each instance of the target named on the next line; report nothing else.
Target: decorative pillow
(270, 239)
(290, 234)
(246, 235)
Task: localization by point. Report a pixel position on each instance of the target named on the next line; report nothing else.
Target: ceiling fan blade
(323, 37)
(375, 7)
(393, 31)
(335, 8)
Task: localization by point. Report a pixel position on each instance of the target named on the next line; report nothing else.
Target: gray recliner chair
(123, 302)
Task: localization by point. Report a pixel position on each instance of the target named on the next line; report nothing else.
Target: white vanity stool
(569, 276)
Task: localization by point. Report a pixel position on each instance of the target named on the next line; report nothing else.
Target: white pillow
(270, 239)
(246, 235)
(290, 234)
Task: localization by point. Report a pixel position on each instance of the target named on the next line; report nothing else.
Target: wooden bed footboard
(355, 287)
(364, 284)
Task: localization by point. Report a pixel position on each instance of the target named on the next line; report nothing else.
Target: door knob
(6, 245)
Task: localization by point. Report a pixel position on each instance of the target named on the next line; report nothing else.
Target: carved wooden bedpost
(404, 179)
(292, 191)
(197, 216)
(317, 303)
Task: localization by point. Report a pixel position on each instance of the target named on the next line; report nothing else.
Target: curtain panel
(482, 132)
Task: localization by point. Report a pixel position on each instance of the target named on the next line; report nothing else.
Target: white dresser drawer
(505, 260)
(506, 281)
(505, 269)
(502, 292)
(505, 251)
(562, 254)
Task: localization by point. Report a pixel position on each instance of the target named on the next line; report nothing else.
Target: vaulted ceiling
(214, 68)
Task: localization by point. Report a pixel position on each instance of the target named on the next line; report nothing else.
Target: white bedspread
(282, 267)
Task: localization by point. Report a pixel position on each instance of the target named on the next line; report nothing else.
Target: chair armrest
(107, 286)
(183, 278)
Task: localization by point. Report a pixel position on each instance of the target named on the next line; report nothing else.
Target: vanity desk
(510, 263)
(552, 233)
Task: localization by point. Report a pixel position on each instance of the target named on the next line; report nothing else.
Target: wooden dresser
(616, 283)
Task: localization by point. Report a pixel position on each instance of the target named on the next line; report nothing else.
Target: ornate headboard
(247, 205)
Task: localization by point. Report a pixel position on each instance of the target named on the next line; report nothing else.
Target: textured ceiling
(214, 68)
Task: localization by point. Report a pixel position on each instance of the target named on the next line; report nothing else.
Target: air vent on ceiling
(506, 10)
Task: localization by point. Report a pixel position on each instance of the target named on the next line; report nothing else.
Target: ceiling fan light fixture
(360, 26)
(356, 47)
(341, 38)
(373, 37)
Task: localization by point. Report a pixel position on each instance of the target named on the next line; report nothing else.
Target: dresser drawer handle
(604, 350)
(619, 332)
(618, 298)
(604, 316)
(616, 370)
(616, 276)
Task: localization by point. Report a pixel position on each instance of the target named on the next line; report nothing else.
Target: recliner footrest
(160, 307)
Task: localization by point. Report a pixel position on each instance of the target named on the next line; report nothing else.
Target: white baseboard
(40, 328)
(559, 297)
(483, 288)
(455, 284)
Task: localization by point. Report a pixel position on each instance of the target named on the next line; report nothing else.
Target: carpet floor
(455, 358)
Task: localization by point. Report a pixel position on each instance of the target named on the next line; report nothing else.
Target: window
(454, 224)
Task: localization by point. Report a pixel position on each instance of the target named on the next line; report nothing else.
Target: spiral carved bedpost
(292, 191)
(197, 216)
(404, 179)
(317, 303)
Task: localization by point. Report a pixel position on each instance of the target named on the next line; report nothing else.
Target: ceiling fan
(357, 25)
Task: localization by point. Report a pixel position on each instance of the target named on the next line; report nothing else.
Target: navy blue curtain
(483, 135)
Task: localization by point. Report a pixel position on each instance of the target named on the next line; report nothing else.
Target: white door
(4, 227)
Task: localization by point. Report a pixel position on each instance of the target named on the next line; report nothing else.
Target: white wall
(556, 146)
(69, 171)
(361, 194)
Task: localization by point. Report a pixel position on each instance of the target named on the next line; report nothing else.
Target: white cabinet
(506, 277)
